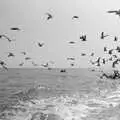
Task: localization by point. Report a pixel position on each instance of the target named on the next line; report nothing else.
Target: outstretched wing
(114, 11)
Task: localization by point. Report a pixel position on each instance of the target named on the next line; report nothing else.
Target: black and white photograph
(59, 60)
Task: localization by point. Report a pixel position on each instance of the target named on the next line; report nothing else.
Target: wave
(30, 106)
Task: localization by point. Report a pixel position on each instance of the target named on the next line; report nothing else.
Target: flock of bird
(98, 62)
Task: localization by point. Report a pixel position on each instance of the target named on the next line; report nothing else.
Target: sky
(30, 16)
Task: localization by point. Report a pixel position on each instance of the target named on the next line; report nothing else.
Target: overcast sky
(29, 15)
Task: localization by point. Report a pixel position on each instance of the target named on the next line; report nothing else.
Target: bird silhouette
(24, 53)
(115, 62)
(34, 64)
(98, 61)
(83, 38)
(3, 64)
(103, 35)
(110, 51)
(117, 12)
(4, 36)
(21, 64)
(72, 42)
(105, 49)
(92, 54)
(118, 49)
(83, 54)
(115, 56)
(27, 58)
(10, 54)
(104, 61)
(45, 65)
(72, 64)
(40, 44)
(15, 29)
(49, 16)
(115, 38)
(70, 58)
(111, 58)
(75, 17)
(63, 70)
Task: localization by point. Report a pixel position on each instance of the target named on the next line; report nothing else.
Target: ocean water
(40, 94)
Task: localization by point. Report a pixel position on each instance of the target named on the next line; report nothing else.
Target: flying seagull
(110, 51)
(83, 54)
(72, 42)
(10, 54)
(1, 36)
(27, 58)
(70, 58)
(3, 64)
(75, 17)
(118, 49)
(115, 62)
(21, 64)
(49, 16)
(40, 44)
(34, 64)
(92, 54)
(103, 35)
(24, 53)
(44, 65)
(105, 49)
(15, 29)
(117, 12)
(83, 38)
(115, 38)
(72, 64)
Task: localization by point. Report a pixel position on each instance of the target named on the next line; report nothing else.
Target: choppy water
(59, 101)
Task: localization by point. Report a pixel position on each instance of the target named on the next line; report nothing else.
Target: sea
(42, 94)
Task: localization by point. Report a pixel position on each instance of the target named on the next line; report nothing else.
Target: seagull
(72, 42)
(11, 54)
(117, 12)
(63, 70)
(92, 54)
(110, 51)
(115, 38)
(71, 58)
(118, 49)
(24, 53)
(27, 58)
(104, 61)
(103, 36)
(3, 64)
(105, 49)
(115, 62)
(44, 65)
(75, 17)
(49, 16)
(83, 38)
(83, 54)
(115, 56)
(72, 64)
(98, 61)
(40, 44)
(1, 36)
(21, 64)
(34, 64)
(15, 29)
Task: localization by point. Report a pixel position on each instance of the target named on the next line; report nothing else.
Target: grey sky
(29, 15)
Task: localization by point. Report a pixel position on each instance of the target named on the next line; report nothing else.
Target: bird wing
(114, 11)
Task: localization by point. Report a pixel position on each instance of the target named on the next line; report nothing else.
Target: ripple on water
(64, 107)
